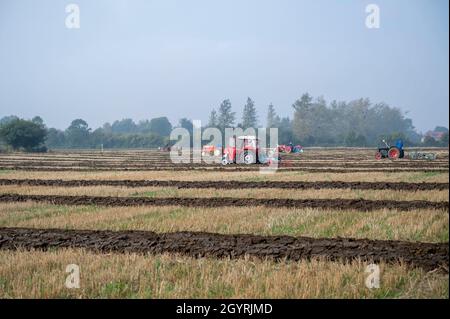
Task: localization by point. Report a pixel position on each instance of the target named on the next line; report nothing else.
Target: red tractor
(284, 148)
(290, 148)
(211, 150)
(243, 149)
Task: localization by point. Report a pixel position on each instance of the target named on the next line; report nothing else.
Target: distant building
(437, 136)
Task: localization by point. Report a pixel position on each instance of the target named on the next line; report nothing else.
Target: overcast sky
(143, 59)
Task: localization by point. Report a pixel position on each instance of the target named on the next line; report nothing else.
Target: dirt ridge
(230, 184)
(336, 204)
(428, 256)
(168, 163)
(221, 169)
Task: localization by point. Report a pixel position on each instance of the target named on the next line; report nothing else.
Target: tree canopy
(213, 120)
(226, 117)
(78, 133)
(124, 126)
(314, 122)
(19, 133)
(273, 120)
(357, 122)
(160, 126)
(249, 116)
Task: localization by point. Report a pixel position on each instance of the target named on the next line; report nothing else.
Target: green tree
(7, 119)
(24, 134)
(55, 138)
(444, 139)
(249, 116)
(304, 103)
(226, 117)
(78, 133)
(187, 124)
(213, 120)
(301, 125)
(441, 129)
(143, 126)
(160, 126)
(38, 120)
(429, 141)
(107, 128)
(124, 126)
(353, 139)
(344, 123)
(273, 120)
(285, 135)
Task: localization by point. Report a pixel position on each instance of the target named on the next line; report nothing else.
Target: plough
(422, 156)
(290, 148)
(395, 152)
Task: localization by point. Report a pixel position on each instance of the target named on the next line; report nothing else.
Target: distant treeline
(121, 134)
(314, 122)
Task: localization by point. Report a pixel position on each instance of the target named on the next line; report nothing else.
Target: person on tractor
(399, 144)
(391, 152)
(288, 148)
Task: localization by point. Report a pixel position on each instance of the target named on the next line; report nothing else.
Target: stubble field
(140, 226)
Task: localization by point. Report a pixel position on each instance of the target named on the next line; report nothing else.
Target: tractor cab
(242, 149)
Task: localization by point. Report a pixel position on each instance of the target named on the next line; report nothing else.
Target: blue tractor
(392, 152)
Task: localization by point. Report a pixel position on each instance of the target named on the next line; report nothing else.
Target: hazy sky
(143, 59)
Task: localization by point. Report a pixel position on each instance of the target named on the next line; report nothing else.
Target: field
(140, 226)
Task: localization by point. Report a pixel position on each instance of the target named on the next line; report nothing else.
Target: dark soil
(340, 204)
(169, 164)
(428, 256)
(230, 184)
(228, 168)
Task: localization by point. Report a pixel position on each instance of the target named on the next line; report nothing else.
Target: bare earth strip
(355, 204)
(264, 193)
(318, 223)
(382, 177)
(428, 256)
(169, 164)
(230, 184)
(221, 169)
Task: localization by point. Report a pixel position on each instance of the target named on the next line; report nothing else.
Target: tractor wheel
(249, 157)
(378, 156)
(394, 153)
(225, 161)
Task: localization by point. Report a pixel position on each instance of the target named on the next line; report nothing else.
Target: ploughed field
(315, 159)
(139, 225)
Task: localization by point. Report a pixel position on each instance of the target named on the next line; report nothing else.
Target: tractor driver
(399, 144)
